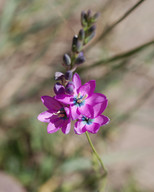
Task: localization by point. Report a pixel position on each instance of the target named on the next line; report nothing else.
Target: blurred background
(34, 35)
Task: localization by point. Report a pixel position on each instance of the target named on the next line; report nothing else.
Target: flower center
(79, 100)
(61, 114)
(87, 120)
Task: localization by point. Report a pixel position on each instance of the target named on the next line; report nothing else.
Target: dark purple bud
(91, 29)
(79, 46)
(80, 59)
(89, 14)
(84, 22)
(59, 76)
(67, 59)
(68, 75)
(69, 89)
(81, 35)
(59, 89)
(74, 43)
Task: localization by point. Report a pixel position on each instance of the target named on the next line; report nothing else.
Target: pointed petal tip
(106, 120)
(51, 128)
(44, 116)
(76, 80)
(66, 127)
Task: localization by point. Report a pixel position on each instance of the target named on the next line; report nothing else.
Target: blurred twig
(125, 116)
(8, 15)
(111, 27)
(119, 56)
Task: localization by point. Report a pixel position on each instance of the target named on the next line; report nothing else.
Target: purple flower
(83, 98)
(57, 116)
(92, 122)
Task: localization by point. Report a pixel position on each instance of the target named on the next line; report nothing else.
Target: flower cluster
(72, 100)
(81, 104)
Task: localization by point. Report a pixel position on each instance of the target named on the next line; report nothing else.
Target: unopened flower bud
(58, 76)
(88, 14)
(83, 19)
(74, 43)
(69, 89)
(68, 75)
(59, 89)
(80, 59)
(67, 59)
(91, 29)
(80, 40)
(81, 35)
(79, 46)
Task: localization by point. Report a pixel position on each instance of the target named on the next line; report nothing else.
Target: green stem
(119, 56)
(95, 152)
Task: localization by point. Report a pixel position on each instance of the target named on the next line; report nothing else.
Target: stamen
(85, 97)
(56, 113)
(61, 114)
(79, 95)
(79, 100)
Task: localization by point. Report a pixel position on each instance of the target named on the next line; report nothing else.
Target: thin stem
(95, 152)
(123, 17)
(111, 27)
(119, 56)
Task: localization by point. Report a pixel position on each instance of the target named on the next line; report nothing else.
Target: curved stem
(95, 152)
(110, 28)
(118, 56)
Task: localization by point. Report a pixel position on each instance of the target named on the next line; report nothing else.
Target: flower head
(83, 98)
(57, 116)
(91, 122)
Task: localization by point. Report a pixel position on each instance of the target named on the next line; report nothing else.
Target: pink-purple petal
(106, 120)
(74, 113)
(66, 99)
(76, 81)
(86, 110)
(51, 103)
(93, 128)
(54, 119)
(79, 128)
(58, 123)
(96, 98)
(87, 89)
(51, 128)
(92, 86)
(66, 127)
(99, 108)
(102, 120)
(67, 110)
(44, 116)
